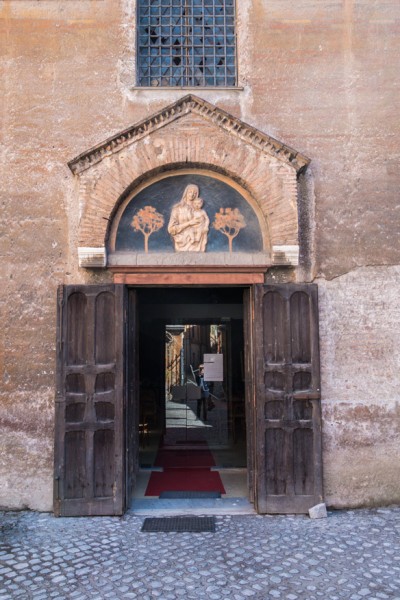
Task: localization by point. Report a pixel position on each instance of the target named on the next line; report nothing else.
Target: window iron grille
(186, 43)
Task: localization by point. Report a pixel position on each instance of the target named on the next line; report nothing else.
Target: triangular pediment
(187, 105)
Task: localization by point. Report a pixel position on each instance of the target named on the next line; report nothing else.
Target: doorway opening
(192, 428)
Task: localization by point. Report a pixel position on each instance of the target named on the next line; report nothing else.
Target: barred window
(186, 43)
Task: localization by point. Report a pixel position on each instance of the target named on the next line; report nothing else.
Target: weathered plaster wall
(359, 334)
(326, 82)
(321, 76)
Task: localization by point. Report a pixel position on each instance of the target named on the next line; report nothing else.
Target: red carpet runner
(184, 471)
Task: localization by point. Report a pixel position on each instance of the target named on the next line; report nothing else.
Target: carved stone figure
(199, 231)
(189, 223)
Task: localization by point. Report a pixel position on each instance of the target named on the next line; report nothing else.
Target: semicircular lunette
(189, 212)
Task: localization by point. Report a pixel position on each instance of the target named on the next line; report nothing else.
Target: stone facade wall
(359, 338)
(320, 76)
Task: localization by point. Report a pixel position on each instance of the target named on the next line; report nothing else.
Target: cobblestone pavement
(351, 554)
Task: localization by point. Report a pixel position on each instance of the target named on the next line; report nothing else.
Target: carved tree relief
(147, 220)
(229, 221)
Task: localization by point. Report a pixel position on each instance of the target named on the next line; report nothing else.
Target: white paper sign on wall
(213, 367)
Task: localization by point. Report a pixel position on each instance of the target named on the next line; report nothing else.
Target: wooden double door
(97, 407)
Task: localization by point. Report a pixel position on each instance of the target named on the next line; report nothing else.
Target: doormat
(189, 494)
(188, 480)
(179, 524)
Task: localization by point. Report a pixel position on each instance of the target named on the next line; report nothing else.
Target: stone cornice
(190, 104)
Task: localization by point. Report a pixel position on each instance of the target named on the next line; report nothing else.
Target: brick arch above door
(191, 132)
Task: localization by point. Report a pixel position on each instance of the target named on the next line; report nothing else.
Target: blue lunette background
(165, 193)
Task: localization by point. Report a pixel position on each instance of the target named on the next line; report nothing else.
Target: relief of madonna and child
(189, 224)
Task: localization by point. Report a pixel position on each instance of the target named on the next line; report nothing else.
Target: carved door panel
(288, 413)
(89, 441)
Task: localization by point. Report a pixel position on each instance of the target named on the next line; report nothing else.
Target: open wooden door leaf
(288, 414)
(89, 441)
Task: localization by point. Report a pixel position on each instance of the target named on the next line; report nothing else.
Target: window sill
(166, 88)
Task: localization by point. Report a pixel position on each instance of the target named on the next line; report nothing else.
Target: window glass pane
(186, 42)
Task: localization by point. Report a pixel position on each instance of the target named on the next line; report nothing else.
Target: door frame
(132, 387)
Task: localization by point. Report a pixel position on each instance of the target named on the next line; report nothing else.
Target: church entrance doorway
(122, 403)
(192, 410)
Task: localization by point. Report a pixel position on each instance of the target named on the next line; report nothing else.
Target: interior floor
(228, 461)
(234, 481)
